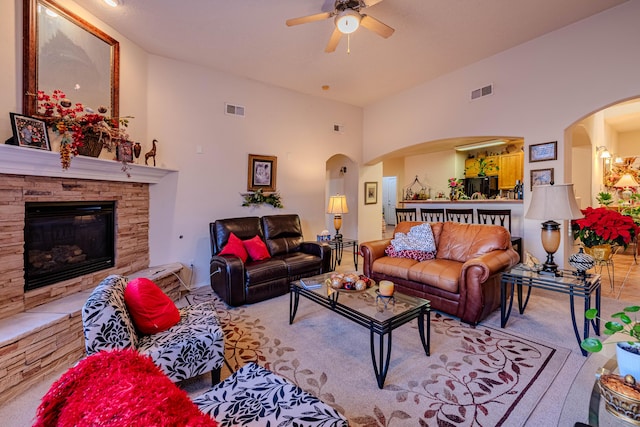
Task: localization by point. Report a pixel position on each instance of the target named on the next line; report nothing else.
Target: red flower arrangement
(67, 120)
(604, 226)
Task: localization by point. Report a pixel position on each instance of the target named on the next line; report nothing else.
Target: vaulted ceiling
(249, 38)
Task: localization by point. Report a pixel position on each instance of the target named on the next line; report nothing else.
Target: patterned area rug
(474, 377)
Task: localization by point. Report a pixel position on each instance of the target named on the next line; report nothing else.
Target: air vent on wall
(233, 110)
(483, 91)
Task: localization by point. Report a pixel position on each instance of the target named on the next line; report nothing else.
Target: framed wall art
(541, 177)
(262, 173)
(370, 193)
(543, 152)
(29, 132)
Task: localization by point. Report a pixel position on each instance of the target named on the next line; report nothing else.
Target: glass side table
(337, 247)
(568, 283)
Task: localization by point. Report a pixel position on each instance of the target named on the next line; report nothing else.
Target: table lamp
(337, 207)
(625, 182)
(557, 202)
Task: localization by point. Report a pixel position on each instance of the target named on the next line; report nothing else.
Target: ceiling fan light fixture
(348, 21)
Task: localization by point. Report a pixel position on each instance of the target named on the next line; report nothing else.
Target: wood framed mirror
(63, 51)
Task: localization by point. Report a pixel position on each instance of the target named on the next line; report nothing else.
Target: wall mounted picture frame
(29, 132)
(370, 193)
(262, 173)
(543, 152)
(541, 177)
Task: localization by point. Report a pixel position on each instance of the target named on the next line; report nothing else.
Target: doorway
(389, 184)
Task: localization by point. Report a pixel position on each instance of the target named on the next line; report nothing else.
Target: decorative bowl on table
(622, 396)
(349, 282)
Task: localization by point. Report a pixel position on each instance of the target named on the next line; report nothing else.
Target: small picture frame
(262, 173)
(125, 151)
(370, 193)
(29, 132)
(541, 177)
(543, 152)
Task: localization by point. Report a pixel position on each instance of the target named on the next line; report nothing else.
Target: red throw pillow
(151, 310)
(256, 248)
(235, 247)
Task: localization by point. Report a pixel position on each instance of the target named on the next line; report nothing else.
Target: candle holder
(385, 300)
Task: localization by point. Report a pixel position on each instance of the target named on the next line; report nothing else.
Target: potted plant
(604, 198)
(601, 228)
(627, 352)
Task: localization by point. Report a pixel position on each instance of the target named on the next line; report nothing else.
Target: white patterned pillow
(419, 238)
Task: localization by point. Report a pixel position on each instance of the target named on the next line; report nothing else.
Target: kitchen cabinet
(511, 169)
(481, 166)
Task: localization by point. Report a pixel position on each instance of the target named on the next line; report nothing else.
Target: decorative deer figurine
(151, 153)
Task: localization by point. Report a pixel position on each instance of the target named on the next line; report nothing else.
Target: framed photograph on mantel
(541, 177)
(262, 173)
(370, 193)
(29, 132)
(543, 152)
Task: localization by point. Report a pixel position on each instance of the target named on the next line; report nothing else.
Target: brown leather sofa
(238, 282)
(464, 278)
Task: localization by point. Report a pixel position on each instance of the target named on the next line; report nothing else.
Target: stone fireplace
(131, 233)
(35, 176)
(64, 240)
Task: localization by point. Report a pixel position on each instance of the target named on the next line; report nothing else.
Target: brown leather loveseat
(464, 277)
(290, 258)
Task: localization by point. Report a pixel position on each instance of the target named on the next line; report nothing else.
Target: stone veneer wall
(132, 233)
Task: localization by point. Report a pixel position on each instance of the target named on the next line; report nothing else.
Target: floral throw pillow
(418, 244)
(410, 253)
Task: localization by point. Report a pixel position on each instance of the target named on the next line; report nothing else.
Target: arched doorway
(342, 178)
(615, 128)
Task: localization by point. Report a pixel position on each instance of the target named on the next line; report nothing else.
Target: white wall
(183, 107)
(186, 110)
(540, 89)
(433, 170)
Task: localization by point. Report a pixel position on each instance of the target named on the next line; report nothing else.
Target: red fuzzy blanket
(117, 389)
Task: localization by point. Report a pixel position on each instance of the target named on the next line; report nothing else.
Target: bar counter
(517, 210)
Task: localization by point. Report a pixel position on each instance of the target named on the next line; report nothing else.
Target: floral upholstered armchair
(193, 346)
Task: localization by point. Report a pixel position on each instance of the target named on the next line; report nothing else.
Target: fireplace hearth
(64, 240)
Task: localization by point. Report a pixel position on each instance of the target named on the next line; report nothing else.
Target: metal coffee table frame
(418, 309)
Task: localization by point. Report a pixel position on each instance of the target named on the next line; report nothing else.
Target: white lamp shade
(627, 180)
(338, 204)
(553, 202)
(348, 21)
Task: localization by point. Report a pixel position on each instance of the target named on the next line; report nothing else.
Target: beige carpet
(474, 377)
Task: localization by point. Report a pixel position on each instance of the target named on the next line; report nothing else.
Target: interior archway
(615, 127)
(342, 178)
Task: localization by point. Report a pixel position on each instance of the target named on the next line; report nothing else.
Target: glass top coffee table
(381, 315)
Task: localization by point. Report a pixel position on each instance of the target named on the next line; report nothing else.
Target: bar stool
(405, 214)
(500, 217)
(432, 214)
(460, 215)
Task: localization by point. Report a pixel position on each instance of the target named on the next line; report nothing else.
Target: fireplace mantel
(16, 160)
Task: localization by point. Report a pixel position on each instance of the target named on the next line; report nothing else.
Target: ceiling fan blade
(333, 41)
(309, 18)
(376, 26)
(369, 3)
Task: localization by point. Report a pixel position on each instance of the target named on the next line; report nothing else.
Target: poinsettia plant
(602, 226)
(76, 123)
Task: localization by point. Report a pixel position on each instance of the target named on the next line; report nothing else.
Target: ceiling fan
(348, 18)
